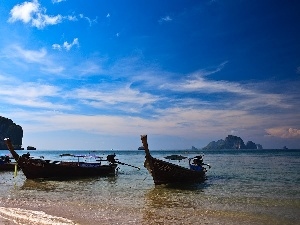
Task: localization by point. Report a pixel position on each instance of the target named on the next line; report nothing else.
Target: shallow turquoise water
(243, 187)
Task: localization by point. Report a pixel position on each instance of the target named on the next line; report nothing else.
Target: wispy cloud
(91, 21)
(57, 1)
(165, 19)
(71, 18)
(39, 59)
(124, 97)
(247, 96)
(31, 56)
(128, 93)
(56, 47)
(31, 94)
(88, 67)
(284, 132)
(67, 46)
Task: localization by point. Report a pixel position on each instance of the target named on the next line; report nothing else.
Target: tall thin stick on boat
(165, 172)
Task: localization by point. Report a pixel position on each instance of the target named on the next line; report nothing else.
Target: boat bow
(11, 149)
(164, 172)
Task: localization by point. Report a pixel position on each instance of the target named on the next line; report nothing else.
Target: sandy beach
(6, 222)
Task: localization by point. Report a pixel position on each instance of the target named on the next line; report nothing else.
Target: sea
(242, 187)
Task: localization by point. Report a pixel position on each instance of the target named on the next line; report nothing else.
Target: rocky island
(232, 142)
(8, 129)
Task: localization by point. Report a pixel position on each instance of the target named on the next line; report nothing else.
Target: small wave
(23, 217)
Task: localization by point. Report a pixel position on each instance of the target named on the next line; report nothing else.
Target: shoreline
(66, 215)
(17, 216)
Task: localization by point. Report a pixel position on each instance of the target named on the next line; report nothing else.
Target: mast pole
(11, 149)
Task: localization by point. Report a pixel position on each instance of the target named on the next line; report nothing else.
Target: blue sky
(97, 74)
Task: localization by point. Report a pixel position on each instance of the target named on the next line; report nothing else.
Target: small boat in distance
(167, 173)
(141, 148)
(66, 154)
(47, 169)
(175, 157)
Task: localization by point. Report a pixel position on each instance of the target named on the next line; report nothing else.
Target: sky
(95, 75)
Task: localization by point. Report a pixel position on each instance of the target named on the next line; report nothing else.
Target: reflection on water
(193, 205)
(61, 186)
(38, 185)
(179, 204)
(164, 196)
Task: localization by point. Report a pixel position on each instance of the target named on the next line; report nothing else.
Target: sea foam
(23, 217)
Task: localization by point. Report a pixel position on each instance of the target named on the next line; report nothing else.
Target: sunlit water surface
(243, 187)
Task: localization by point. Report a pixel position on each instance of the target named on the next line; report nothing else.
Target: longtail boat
(166, 173)
(47, 169)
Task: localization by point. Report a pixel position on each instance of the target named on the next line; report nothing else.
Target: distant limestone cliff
(8, 129)
(232, 142)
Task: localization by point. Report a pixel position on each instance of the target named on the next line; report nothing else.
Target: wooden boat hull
(7, 167)
(166, 173)
(39, 168)
(64, 170)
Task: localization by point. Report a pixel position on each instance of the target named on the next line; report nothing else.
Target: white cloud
(31, 56)
(67, 46)
(34, 60)
(57, 1)
(71, 18)
(56, 47)
(31, 95)
(42, 21)
(24, 12)
(53, 69)
(120, 97)
(176, 108)
(243, 96)
(88, 19)
(89, 67)
(197, 82)
(284, 132)
(33, 13)
(165, 19)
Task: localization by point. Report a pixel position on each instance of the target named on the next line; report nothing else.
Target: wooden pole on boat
(145, 144)
(148, 164)
(11, 149)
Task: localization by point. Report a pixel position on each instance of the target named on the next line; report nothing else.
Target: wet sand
(132, 215)
(6, 222)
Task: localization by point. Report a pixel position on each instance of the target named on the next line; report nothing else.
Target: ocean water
(242, 187)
